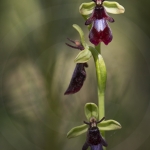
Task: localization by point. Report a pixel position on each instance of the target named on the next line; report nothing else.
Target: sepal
(76, 131)
(108, 125)
(83, 56)
(113, 7)
(86, 8)
(91, 110)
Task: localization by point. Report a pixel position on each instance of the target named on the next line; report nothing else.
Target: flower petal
(76, 131)
(113, 7)
(77, 44)
(77, 80)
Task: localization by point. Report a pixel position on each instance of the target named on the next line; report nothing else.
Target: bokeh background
(36, 67)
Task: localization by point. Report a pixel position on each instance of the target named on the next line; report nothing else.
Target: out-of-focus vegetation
(36, 68)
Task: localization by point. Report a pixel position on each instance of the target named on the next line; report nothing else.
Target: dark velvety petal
(110, 19)
(96, 147)
(78, 78)
(100, 32)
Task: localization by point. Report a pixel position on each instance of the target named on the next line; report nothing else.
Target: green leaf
(76, 131)
(83, 56)
(113, 7)
(108, 125)
(86, 8)
(100, 70)
(80, 33)
(91, 110)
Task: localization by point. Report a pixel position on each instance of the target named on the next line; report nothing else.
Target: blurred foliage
(36, 68)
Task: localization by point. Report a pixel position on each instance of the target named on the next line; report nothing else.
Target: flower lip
(94, 138)
(77, 80)
(100, 30)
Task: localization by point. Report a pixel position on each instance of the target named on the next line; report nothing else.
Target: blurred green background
(36, 68)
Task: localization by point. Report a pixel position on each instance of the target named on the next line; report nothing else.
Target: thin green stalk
(98, 48)
(101, 101)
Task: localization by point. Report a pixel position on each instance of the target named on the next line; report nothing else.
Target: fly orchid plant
(96, 17)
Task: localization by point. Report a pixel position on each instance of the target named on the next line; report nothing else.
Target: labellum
(100, 30)
(94, 138)
(78, 78)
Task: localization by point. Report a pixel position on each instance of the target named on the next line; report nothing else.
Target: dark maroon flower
(79, 74)
(100, 30)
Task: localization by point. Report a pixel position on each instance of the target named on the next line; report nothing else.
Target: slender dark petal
(78, 78)
(90, 19)
(77, 44)
(72, 46)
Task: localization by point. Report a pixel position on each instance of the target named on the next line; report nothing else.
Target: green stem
(101, 80)
(101, 102)
(98, 48)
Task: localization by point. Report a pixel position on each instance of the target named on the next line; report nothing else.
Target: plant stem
(101, 81)
(98, 48)
(100, 88)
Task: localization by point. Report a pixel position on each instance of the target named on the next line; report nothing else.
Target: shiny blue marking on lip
(100, 24)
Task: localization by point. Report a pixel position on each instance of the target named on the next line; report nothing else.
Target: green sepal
(91, 110)
(86, 8)
(108, 125)
(83, 56)
(82, 39)
(113, 7)
(76, 131)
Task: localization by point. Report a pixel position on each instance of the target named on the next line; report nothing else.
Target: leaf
(108, 125)
(100, 69)
(76, 131)
(81, 34)
(91, 110)
(86, 8)
(113, 7)
(83, 56)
